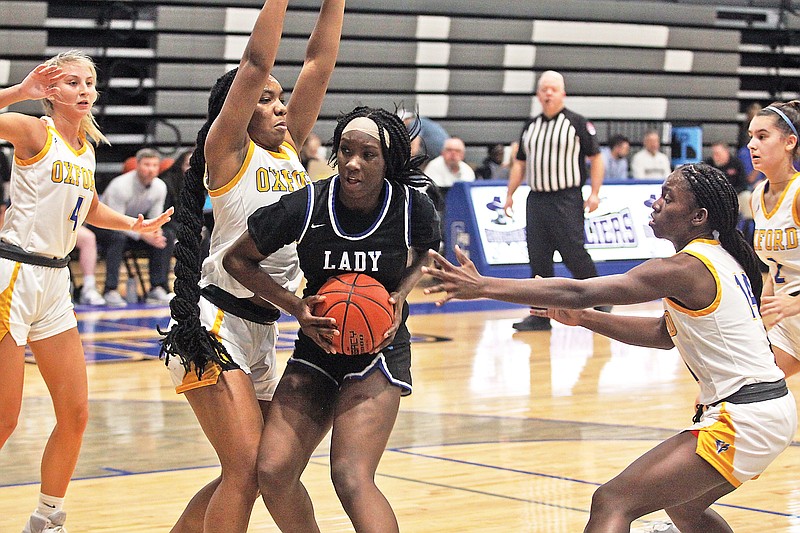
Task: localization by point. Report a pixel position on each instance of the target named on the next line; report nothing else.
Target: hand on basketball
(320, 329)
(459, 282)
(152, 224)
(388, 337)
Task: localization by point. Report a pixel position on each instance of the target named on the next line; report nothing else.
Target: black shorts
(394, 361)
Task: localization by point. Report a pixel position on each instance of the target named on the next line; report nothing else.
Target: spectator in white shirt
(449, 167)
(650, 163)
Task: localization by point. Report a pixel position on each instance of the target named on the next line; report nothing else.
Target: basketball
(360, 305)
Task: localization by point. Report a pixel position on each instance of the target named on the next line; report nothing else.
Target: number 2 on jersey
(74, 217)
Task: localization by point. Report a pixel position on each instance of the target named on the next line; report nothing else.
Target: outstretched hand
(38, 83)
(459, 282)
(152, 224)
(569, 317)
(781, 306)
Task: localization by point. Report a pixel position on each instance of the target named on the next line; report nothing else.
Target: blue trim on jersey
(387, 198)
(309, 211)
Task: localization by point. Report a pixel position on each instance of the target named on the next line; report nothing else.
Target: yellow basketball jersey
(264, 177)
(775, 239)
(50, 196)
(724, 345)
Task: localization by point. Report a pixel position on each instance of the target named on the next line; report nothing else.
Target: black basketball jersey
(332, 239)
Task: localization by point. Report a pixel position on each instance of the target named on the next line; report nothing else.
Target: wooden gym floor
(505, 432)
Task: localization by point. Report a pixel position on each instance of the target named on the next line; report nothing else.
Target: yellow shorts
(741, 440)
(252, 346)
(35, 302)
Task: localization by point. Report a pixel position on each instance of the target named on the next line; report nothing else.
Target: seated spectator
(615, 157)
(430, 136)
(492, 167)
(132, 193)
(87, 247)
(649, 162)
(722, 159)
(449, 167)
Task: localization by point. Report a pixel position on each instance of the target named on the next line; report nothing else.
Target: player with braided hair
(370, 210)
(711, 315)
(776, 213)
(221, 346)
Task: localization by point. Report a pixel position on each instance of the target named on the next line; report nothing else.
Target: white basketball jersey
(264, 177)
(724, 345)
(775, 239)
(50, 196)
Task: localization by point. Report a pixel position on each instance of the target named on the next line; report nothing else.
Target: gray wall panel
(696, 110)
(23, 13)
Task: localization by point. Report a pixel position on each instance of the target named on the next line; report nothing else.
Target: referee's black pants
(555, 221)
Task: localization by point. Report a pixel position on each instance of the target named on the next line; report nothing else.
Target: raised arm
(309, 91)
(227, 142)
(28, 134)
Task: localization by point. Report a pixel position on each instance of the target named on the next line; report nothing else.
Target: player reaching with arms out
(708, 288)
(52, 194)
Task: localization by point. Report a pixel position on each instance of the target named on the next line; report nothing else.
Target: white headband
(366, 125)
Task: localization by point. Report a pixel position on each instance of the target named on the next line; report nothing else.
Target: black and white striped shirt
(555, 151)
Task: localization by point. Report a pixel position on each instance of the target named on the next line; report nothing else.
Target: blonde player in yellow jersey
(221, 347)
(776, 212)
(52, 193)
(711, 315)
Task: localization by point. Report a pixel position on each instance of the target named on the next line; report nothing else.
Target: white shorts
(786, 335)
(250, 345)
(741, 440)
(35, 302)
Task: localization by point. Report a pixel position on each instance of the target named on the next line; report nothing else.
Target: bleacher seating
(468, 64)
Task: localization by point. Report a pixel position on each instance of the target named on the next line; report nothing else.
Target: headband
(368, 126)
(785, 118)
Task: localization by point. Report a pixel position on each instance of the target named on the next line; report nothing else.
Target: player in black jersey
(370, 218)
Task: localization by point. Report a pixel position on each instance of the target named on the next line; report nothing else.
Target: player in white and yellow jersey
(711, 316)
(776, 213)
(222, 356)
(52, 193)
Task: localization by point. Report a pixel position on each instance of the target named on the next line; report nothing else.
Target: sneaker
(52, 524)
(91, 297)
(657, 527)
(533, 323)
(159, 295)
(114, 299)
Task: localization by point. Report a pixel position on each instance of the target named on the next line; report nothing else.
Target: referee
(552, 154)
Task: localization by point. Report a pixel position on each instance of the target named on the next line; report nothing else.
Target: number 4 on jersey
(74, 217)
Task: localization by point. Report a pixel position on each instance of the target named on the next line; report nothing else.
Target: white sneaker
(114, 299)
(159, 296)
(657, 527)
(91, 297)
(52, 524)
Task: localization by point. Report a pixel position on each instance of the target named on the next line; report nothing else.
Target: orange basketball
(360, 305)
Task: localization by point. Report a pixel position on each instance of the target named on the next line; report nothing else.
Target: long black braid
(400, 165)
(188, 339)
(714, 192)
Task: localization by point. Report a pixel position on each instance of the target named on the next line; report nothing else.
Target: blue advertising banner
(618, 235)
